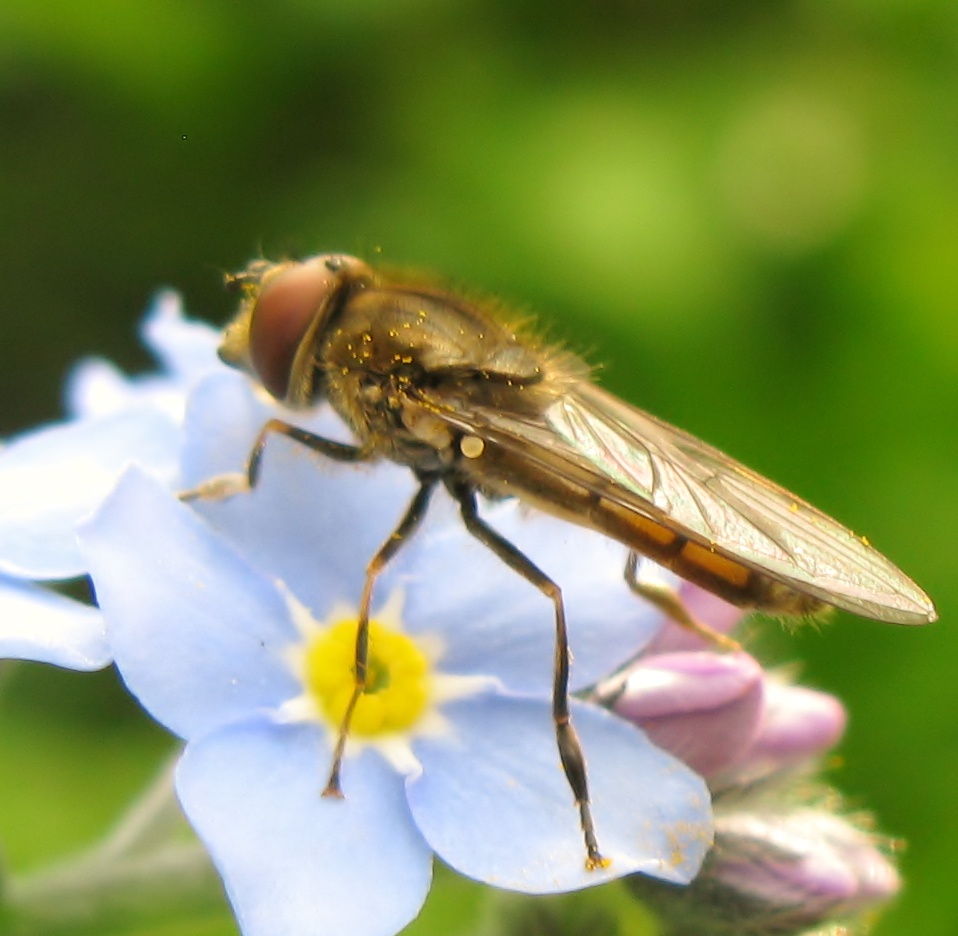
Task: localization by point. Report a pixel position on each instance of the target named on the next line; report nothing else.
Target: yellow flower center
(397, 678)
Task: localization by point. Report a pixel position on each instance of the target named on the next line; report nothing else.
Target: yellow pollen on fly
(397, 689)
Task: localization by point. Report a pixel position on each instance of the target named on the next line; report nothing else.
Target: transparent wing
(664, 474)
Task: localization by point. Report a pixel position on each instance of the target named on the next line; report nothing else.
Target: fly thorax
(359, 400)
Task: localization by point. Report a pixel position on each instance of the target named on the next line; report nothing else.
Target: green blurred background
(747, 211)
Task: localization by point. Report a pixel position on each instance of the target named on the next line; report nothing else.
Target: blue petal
(185, 347)
(223, 418)
(197, 634)
(38, 624)
(495, 622)
(95, 388)
(494, 803)
(295, 863)
(310, 522)
(52, 478)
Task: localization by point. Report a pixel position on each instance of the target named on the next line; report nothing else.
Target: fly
(442, 385)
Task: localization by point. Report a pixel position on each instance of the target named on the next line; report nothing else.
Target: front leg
(229, 484)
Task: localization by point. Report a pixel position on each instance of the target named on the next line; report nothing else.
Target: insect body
(439, 383)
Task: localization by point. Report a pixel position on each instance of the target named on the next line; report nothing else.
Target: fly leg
(228, 485)
(406, 527)
(223, 486)
(666, 599)
(570, 748)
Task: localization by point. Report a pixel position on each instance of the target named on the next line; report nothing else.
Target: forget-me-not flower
(233, 623)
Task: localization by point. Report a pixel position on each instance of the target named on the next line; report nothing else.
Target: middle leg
(570, 748)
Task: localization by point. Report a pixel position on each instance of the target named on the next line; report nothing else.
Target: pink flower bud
(705, 708)
(805, 866)
(798, 725)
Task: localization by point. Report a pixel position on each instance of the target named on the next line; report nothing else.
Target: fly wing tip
(921, 612)
(912, 609)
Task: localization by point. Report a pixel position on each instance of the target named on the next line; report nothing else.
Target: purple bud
(798, 725)
(805, 866)
(705, 708)
(778, 866)
(777, 874)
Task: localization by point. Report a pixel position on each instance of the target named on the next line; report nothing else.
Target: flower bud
(781, 863)
(798, 725)
(705, 708)
(774, 874)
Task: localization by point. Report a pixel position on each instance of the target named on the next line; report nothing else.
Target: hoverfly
(442, 385)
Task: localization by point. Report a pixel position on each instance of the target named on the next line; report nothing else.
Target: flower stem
(173, 883)
(148, 871)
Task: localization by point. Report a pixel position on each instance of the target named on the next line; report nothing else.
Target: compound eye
(290, 299)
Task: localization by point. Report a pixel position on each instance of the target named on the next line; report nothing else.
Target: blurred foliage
(747, 210)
